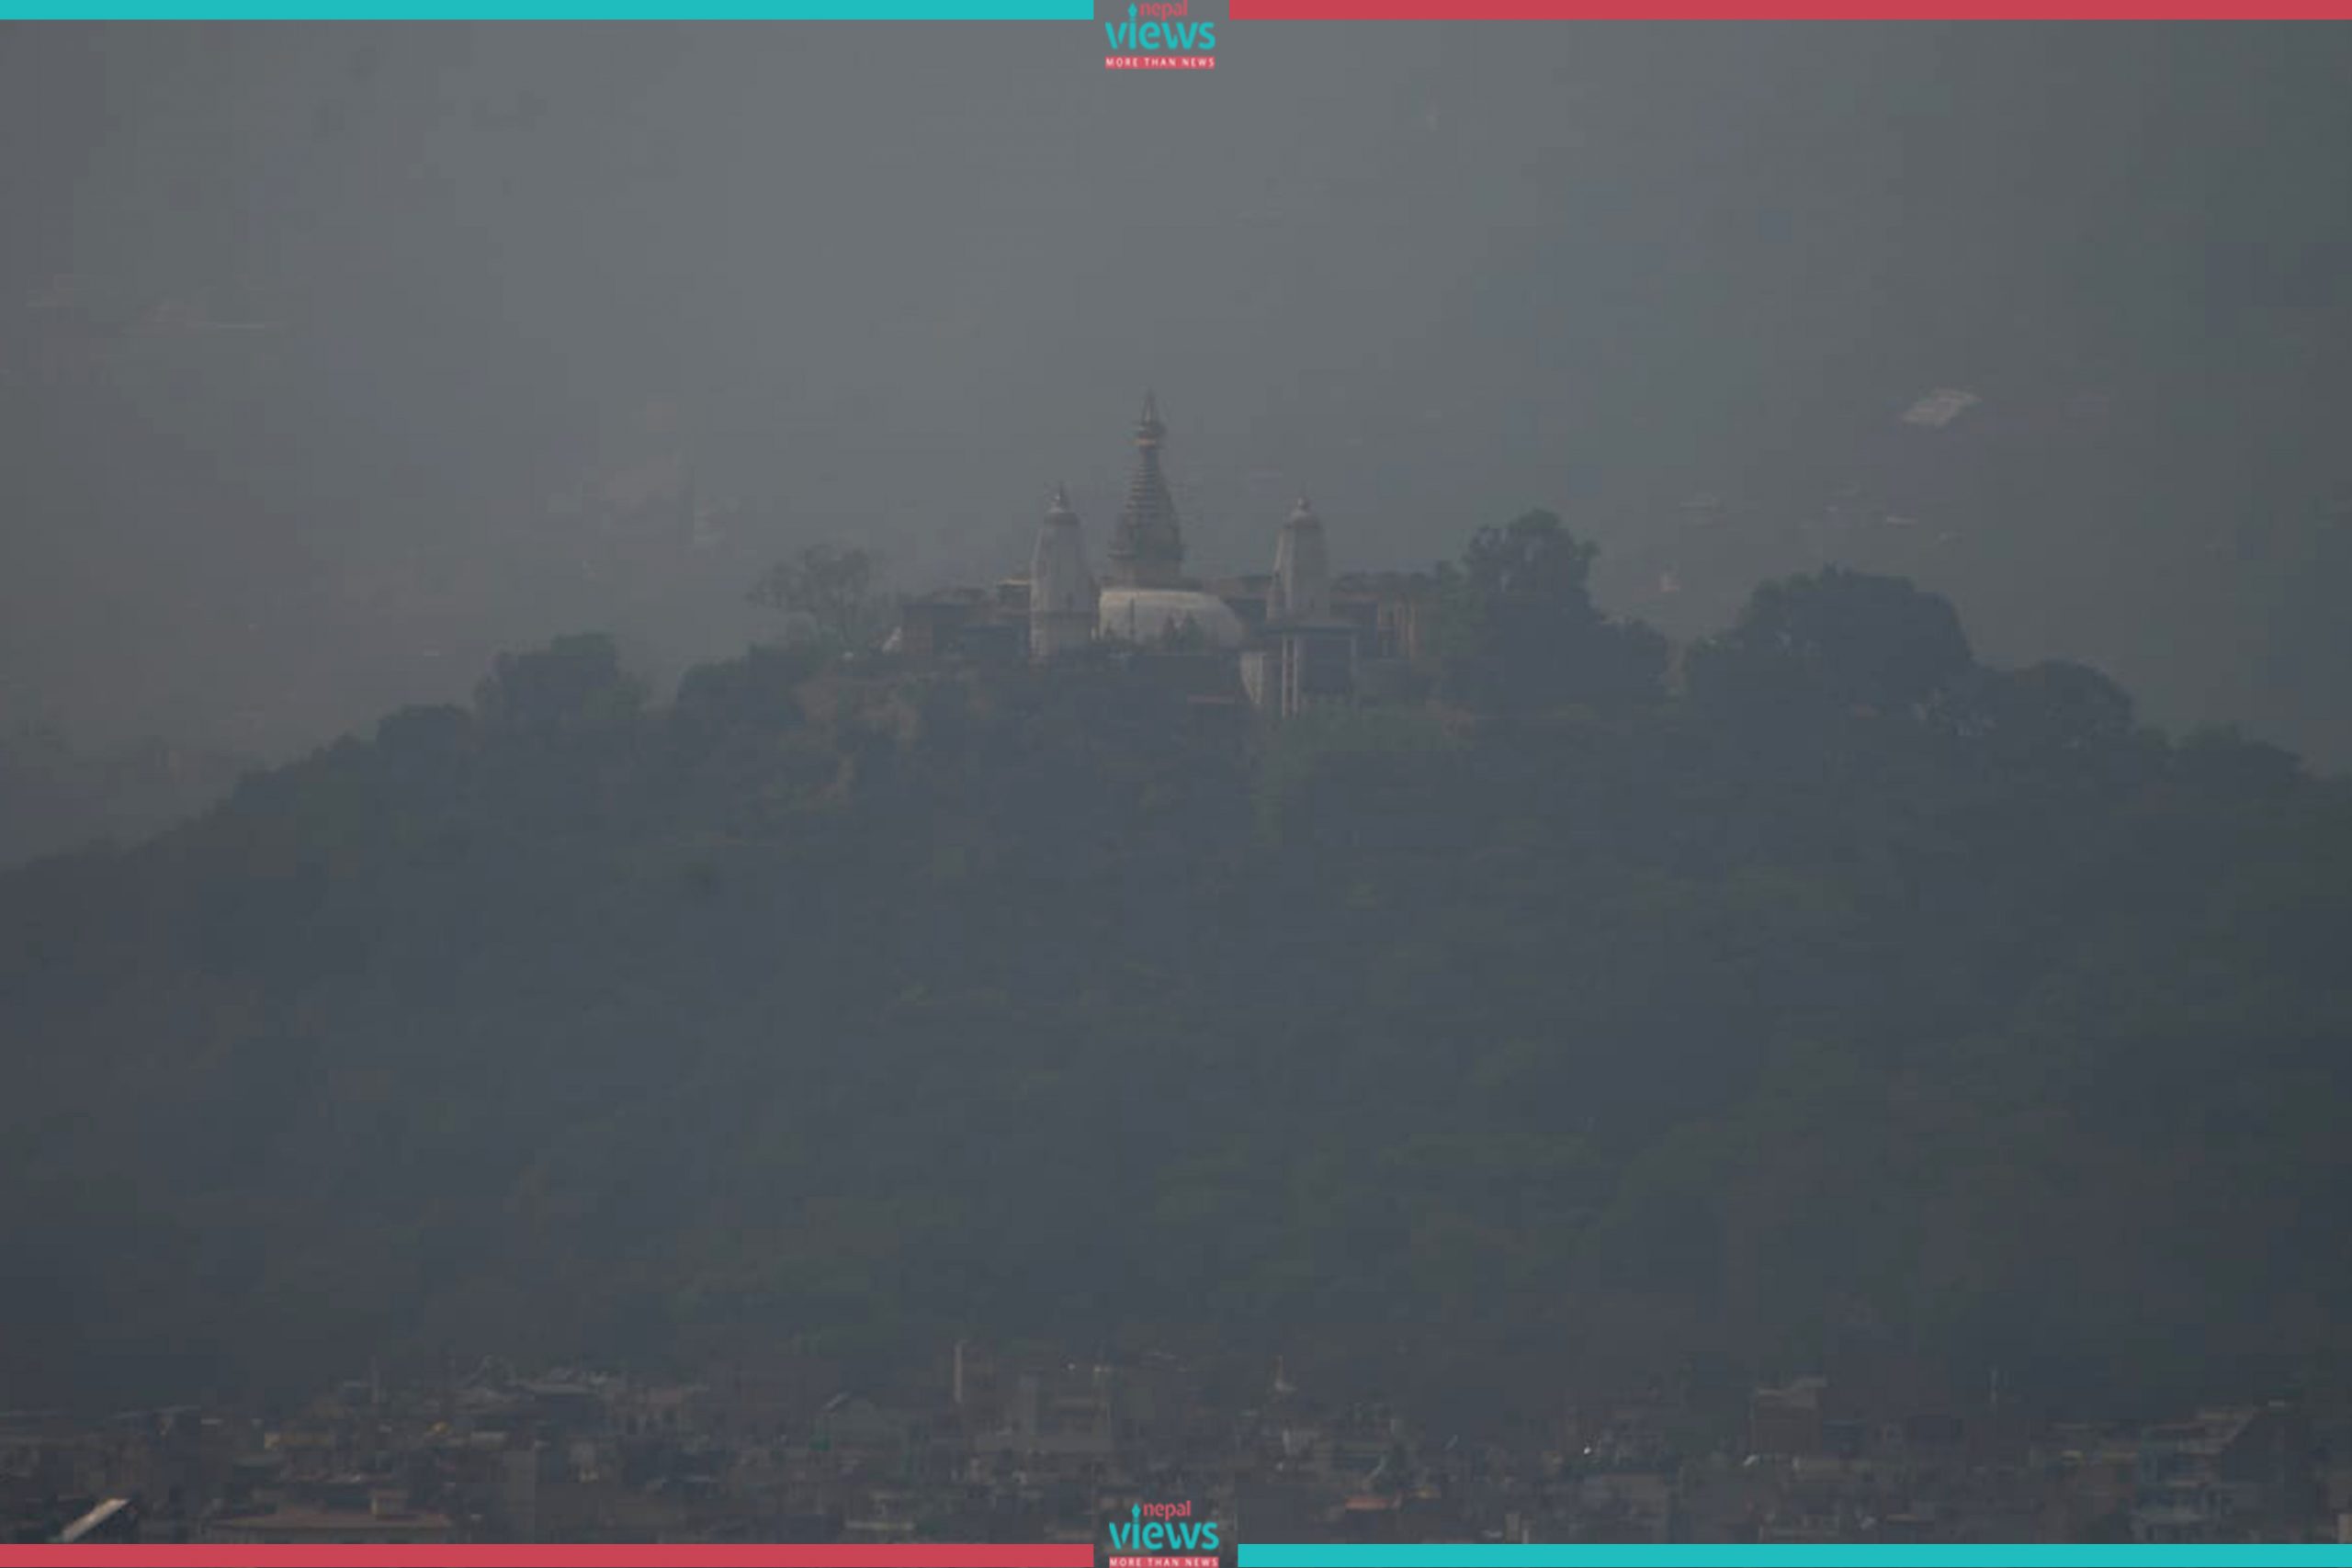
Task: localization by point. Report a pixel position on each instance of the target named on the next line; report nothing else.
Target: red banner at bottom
(925, 1554)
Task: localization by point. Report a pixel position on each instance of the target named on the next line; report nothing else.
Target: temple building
(1290, 639)
(1063, 596)
(1301, 591)
(1146, 599)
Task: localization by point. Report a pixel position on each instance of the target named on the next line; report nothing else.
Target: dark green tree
(835, 589)
(1517, 628)
(2045, 713)
(575, 683)
(1836, 638)
(2219, 758)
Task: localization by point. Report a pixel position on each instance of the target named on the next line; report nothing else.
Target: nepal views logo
(1163, 1535)
(1160, 35)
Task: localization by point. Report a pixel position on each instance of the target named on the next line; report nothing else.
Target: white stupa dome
(1146, 614)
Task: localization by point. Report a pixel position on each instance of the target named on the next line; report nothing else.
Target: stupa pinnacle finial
(1148, 550)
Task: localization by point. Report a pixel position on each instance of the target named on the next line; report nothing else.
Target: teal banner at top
(1939, 1556)
(550, 10)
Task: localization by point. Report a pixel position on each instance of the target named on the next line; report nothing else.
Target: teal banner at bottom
(1809, 1556)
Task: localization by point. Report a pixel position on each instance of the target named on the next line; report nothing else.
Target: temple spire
(1062, 597)
(1148, 550)
(1301, 591)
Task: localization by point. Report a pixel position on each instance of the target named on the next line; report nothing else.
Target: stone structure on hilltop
(1301, 591)
(1063, 595)
(1294, 639)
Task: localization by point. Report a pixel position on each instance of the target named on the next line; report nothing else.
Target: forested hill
(1829, 991)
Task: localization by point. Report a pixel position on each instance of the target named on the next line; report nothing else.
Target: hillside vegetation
(1611, 1013)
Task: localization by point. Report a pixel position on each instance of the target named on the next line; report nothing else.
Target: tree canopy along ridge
(1616, 1009)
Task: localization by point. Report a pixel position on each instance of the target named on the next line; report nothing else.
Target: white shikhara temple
(1293, 637)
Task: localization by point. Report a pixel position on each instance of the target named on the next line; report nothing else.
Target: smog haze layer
(335, 360)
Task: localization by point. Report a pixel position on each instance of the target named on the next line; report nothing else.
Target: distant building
(2239, 1474)
(381, 1523)
(1300, 593)
(1292, 640)
(1786, 1423)
(1063, 597)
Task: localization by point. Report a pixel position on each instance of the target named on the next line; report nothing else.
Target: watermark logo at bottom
(1163, 1535)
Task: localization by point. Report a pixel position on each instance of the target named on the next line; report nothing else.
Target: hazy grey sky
(307, 333)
